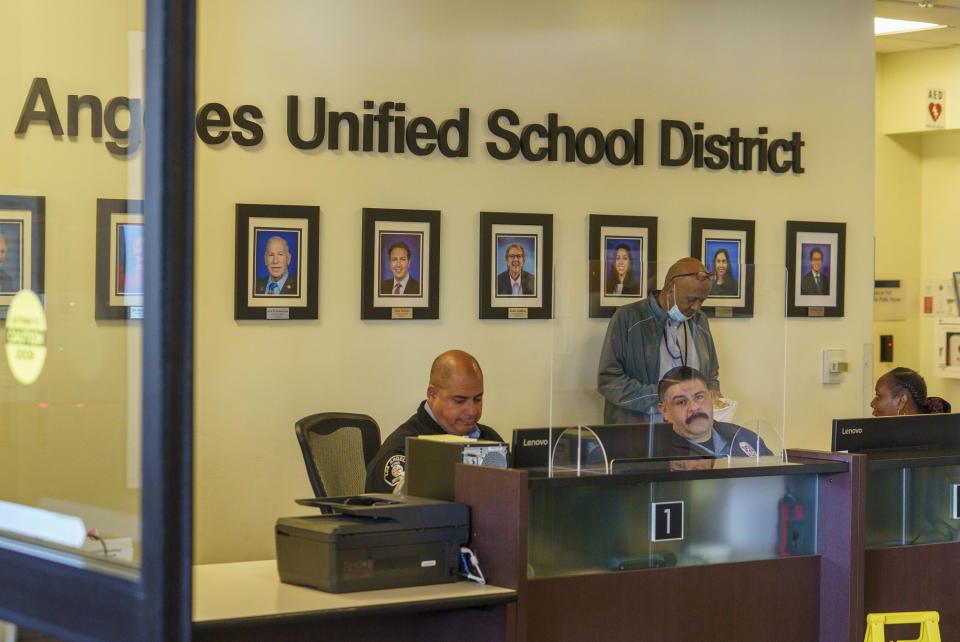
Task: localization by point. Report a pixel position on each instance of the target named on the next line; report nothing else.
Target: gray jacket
(630, 360)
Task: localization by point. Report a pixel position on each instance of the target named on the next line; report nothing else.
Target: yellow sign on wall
(26, 337)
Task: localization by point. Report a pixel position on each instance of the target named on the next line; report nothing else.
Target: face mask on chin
(674, 313)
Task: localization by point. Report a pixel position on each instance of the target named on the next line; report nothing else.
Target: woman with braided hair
(904, 392)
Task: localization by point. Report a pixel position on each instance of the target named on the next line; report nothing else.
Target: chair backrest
(337, 446)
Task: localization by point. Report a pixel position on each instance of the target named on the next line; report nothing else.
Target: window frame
(72, 602)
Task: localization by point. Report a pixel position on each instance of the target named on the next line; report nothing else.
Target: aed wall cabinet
(580, 552)
(912, 535)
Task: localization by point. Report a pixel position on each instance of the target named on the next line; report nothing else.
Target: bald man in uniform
(647, 339)
(453, 406)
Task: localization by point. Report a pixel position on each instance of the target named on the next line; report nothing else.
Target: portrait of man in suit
(9, 274)
(130, 259)
(817, 280)
(515, 281)
(278, 281)
(401, 282)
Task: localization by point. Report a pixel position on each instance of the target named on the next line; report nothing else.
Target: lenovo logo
(852, 431)
(534, 442)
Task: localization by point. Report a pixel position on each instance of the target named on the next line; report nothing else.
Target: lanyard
(681, 350)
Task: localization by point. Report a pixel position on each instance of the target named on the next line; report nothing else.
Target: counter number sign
(666, 521)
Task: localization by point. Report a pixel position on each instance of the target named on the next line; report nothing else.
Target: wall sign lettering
(390, 128)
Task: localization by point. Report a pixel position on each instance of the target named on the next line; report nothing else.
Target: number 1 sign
(666, 521)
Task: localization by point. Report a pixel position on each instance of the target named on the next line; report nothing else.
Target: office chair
(337, 446)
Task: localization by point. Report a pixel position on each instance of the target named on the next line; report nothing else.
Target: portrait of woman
(723, 282)
(621, 277)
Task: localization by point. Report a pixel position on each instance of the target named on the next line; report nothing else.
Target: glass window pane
(71, 219)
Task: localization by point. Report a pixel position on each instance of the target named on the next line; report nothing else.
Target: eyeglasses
(701, 275)
(511, 257)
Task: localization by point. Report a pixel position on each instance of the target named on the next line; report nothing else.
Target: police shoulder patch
(394, 470)
(748, 449)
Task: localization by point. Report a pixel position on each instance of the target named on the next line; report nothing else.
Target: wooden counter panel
(764, 600)
(915, 578)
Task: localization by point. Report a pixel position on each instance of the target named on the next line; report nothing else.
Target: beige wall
(72, 454)
(729, 63)
(779, 64)
(917, 212)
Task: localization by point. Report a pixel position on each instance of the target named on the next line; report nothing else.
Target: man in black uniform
(453, 406)
(687, 404)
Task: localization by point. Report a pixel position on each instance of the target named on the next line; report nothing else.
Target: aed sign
(666, 521)
(936, 108)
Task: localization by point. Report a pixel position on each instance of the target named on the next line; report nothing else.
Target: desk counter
(247, 600)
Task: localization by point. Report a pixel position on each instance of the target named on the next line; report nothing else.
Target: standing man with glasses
(515, 281)
(647, 339)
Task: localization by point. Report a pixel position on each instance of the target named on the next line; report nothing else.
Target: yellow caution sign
(929, 622)
(26, 336)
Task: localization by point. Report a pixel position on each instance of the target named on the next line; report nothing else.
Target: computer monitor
(619, 441)
(886, 433)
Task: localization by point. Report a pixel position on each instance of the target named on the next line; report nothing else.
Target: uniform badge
(394, 470)
(748, 449)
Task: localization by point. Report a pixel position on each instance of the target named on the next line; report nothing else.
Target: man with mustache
(686, 403)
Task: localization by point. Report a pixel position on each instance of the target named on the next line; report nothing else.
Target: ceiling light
(886, 26)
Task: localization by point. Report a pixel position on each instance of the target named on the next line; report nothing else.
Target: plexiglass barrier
(617, 445)
(607, 363)
(591, 527)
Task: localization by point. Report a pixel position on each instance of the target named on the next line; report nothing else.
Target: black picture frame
(22, 223)
(120, 270)
(534, 233)
(804, 238)
(735, 239)
(386, 232)
(610, 234)
(298, 229)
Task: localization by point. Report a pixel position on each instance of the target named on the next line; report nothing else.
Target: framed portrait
(119, 287)
(21, 247)
(516, 265)
(277, 262)
(726, 247)
(623, 261)
(400, 266)
(815, 268)
(956, 290)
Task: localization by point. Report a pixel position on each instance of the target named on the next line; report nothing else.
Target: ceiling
(946, 12)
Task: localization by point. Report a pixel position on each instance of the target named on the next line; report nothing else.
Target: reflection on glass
(70, 441)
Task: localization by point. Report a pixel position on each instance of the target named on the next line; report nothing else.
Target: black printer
(372, 541)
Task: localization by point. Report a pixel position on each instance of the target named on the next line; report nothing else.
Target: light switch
(834, 365)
